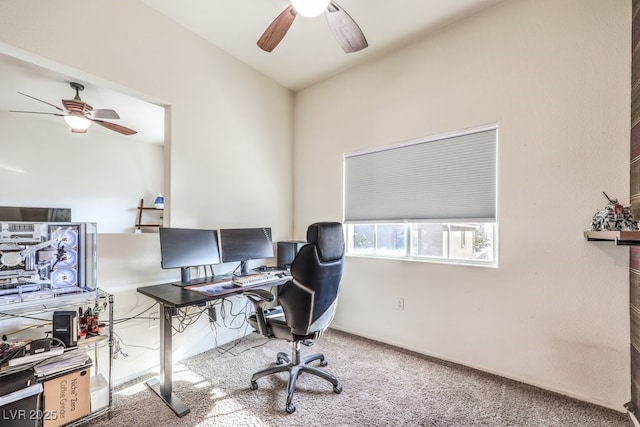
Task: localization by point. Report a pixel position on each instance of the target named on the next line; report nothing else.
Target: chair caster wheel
(290, 408)
(253, 386)
(323, 362)
(337, 389)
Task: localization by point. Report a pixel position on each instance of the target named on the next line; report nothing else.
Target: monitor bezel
(231, 236)
(172, 233)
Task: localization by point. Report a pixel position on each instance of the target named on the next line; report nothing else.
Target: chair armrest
(259, 298)
(258, 295)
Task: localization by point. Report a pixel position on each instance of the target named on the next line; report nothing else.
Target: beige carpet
(383, 386)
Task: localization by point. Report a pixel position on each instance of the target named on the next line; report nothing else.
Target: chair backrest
(309, 299)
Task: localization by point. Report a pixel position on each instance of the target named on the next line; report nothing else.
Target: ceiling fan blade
(345, 29)
(118, 128)
(37, 112)
(276, 31)
(104, 114)
(45, 102)
(76, 106)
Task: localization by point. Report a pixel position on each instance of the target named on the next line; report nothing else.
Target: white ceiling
(307, 54)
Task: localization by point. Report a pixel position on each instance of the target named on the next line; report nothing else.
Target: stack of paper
(67, 360)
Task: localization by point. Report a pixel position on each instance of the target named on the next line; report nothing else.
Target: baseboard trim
(635, 421)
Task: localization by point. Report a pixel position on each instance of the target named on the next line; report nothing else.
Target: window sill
(457, 262)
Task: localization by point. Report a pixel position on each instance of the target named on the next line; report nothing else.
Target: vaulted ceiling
(308, 53)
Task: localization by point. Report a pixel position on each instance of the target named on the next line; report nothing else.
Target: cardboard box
(66, 398)
(99, 392)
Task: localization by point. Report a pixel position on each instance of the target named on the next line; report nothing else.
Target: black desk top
(177, 296)
(172, 295)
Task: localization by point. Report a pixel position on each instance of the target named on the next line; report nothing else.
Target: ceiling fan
(344, 28)
(79, 115)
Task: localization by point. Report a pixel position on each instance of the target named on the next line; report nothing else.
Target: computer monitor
(186, 247)
(243, 244)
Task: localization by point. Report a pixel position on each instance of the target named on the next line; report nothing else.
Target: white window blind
(448, 178)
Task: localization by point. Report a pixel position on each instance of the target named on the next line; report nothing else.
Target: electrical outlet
(154, 319)
(400, 304)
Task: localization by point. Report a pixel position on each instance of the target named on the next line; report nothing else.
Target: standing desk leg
(164, 386)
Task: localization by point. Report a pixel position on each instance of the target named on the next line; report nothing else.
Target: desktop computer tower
(65, 327)
(287, 251)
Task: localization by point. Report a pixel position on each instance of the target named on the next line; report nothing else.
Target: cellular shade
(443, 178)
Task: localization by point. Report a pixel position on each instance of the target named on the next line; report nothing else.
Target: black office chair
(307, 305)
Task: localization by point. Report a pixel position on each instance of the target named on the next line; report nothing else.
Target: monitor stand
(186, 280)
(185, 274)
(244, 267)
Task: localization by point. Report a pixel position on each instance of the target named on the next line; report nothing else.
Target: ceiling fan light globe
(310, 8)
(77, 121)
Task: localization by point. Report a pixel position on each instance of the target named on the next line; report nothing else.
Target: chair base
(295, 367)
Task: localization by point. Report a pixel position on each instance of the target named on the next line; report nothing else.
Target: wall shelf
(141, 209)
(620, 238)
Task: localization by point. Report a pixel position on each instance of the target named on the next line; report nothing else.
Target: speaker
(287, 251)
(65, 327)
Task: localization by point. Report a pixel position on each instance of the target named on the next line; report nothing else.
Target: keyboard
(254, 279)
(270, 268)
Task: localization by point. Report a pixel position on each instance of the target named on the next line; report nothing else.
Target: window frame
(448, 257)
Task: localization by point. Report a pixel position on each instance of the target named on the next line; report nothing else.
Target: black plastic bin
(20, 399)
(21, 408)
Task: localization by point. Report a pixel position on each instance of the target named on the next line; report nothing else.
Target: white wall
(229, 148)
(554, 75)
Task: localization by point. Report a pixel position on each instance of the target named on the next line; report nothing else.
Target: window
(437, 242)
(428, 200)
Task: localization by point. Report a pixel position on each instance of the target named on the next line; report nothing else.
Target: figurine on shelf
(158, 203)
(614, 217)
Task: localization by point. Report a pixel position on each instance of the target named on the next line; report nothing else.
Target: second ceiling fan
(79, 115)
(344, 28)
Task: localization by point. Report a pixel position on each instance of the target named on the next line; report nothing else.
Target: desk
(170, 297)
